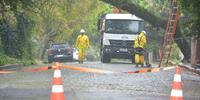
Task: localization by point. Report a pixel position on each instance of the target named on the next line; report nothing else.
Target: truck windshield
(123, 26)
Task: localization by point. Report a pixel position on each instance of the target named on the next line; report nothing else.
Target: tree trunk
(153, 20)
(193, 52)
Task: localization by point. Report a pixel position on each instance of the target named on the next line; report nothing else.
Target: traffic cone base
(176, 98)
(57, 96)
(57, 92)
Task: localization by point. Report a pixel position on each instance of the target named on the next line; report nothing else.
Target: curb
(197, 71)
(11, 66)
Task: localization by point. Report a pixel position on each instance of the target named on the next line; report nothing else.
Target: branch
(152, 19)
(138, 11)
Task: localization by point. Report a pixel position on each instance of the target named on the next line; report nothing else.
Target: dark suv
(60, 52)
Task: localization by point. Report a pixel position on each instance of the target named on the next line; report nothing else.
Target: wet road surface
(93, 86)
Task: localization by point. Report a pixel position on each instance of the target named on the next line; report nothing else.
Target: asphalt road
(93, 86)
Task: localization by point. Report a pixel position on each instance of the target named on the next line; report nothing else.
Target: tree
(152, 19)
(13, 27)
(191, 12)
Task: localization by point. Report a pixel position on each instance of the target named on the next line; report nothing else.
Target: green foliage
(28, 27)
(7, 60)
(92, 54)
(157, 7)
(191, 13)
(27, 62)
(176, 55)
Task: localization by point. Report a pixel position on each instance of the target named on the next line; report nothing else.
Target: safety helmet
(82, 31)
(144, 32)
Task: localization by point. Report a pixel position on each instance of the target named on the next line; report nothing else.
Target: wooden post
(198, 51)
(193, 51)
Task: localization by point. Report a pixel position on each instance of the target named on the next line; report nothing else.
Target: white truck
(118, 32)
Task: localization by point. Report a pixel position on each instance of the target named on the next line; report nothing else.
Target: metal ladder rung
(169, 33)
(176, 7)
(171, 23)
(174, 3)
(173, 17)
(170, 27)
(173, 14)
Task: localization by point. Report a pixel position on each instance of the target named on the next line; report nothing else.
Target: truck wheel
(105, 59)
(70, 59)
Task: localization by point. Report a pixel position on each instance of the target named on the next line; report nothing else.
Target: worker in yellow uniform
(139, 45)
(82, 43)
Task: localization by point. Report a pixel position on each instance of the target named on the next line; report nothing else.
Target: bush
(28, 62)
(92, 54)
(7, 60)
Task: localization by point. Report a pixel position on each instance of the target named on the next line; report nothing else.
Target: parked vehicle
(75, 54)
(60, 52)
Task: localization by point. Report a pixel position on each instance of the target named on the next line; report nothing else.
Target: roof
(122, 16)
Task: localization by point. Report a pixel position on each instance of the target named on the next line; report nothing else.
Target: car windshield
(123, 26)
(55, 46)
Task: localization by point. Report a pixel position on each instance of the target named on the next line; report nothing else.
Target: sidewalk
(195, 70)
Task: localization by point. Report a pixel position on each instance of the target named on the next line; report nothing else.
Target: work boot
(80, 62)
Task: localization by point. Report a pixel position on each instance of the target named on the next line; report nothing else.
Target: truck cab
(118, 32)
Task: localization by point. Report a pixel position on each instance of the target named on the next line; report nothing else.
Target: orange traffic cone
(177, 93)
(57, 89)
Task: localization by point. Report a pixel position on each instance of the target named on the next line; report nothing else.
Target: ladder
(169, 32)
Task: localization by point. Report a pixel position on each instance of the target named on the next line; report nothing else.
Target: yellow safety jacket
(82, 41)
(140, 41)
